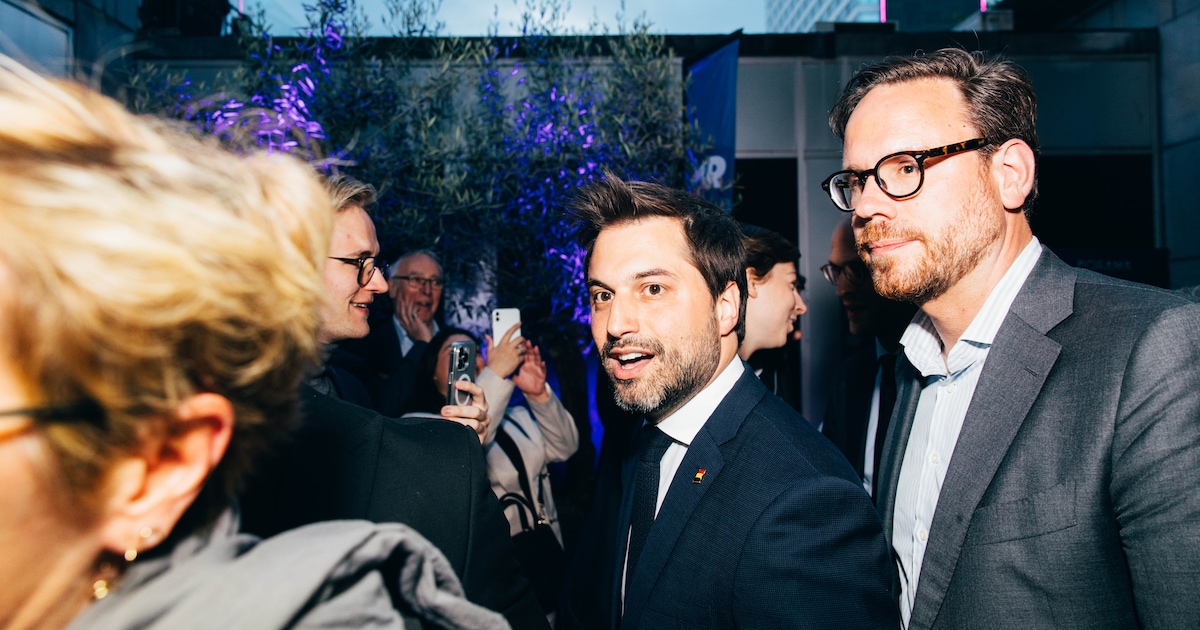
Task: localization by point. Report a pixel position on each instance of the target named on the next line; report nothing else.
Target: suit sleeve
(1156, 459)
(492, 577)
(816, 553)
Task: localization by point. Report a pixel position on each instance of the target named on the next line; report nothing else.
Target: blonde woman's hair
(140, 265)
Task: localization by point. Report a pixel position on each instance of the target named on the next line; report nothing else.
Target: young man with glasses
(1039, 470)
(860, 399)
(348, 462)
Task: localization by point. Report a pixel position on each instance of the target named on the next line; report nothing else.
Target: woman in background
(525, 441)
(774, 303)
(158, 309)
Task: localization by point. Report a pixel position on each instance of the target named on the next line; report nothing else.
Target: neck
(746, 350)
(729, 353)
(54, 602)
(953, 311)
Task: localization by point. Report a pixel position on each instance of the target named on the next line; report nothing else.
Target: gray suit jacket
(1073, 496)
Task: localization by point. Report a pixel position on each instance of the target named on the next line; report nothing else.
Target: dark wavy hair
(714, 240)
(765, 249)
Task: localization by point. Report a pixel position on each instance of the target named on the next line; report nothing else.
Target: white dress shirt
(682, 427)
(941, 409)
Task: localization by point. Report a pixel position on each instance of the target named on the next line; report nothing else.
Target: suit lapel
(1017, 365)
(683, 496)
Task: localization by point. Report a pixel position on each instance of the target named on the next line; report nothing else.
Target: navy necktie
(652, 444)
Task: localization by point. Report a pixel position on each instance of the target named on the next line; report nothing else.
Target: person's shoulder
(1105, 301)
(430, 428)
(856, 360)
(317, 409)
(784, 440)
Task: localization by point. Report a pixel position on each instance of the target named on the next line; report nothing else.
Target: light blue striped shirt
(950, 385)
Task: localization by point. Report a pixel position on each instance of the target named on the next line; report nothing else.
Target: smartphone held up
(462, 368)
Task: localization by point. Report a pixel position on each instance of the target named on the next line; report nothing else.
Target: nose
(843, 286)
(620, 318)
(801, 307)
(873, 202)
(427, 288)
(377, 284)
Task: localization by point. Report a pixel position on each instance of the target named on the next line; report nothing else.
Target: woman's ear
(751, 284)
(147, 493)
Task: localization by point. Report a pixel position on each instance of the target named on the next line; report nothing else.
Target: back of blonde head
(141, 265)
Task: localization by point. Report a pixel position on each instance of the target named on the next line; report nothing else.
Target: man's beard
(947, 256)
(682, 372)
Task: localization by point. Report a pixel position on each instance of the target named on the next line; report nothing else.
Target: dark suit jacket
(848, 409)
(1072, 499)
(778, 534)
(348, 386)
(347, 462)
(388, 375)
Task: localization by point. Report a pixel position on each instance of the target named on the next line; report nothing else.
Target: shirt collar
(923, 347)
(683, 425)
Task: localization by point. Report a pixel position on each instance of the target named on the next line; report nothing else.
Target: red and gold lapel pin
(699, 475)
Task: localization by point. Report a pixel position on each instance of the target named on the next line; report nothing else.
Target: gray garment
(325, 575)
(1072, 498)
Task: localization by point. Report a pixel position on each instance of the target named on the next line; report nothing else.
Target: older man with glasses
(1040, 468)
(387, 358)
(863, 388)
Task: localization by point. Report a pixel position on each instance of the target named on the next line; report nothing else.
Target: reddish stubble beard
(945, 257)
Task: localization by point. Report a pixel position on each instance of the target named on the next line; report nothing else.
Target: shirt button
(922, 535)
(935, 458)
(950, 388)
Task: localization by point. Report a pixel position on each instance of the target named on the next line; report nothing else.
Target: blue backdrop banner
(711, 100)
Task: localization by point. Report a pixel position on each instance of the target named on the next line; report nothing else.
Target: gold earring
(104, 582)
(131, 553)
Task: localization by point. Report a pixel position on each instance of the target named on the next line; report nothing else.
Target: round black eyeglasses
(366, 266)
(899, 175)
(855, 271)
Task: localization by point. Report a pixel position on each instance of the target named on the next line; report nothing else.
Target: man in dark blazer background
(735, 512)
(348, 462)
(860, 402)
(1041, 466)
(386, 359)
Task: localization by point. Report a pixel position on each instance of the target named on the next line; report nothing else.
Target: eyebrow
(641, 275)
(653, 272)
(598, 284)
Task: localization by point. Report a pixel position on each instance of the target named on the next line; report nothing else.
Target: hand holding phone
(506, 348)
(462, 368)
(502, 320)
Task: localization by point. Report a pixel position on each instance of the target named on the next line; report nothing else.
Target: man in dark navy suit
(732, 511)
